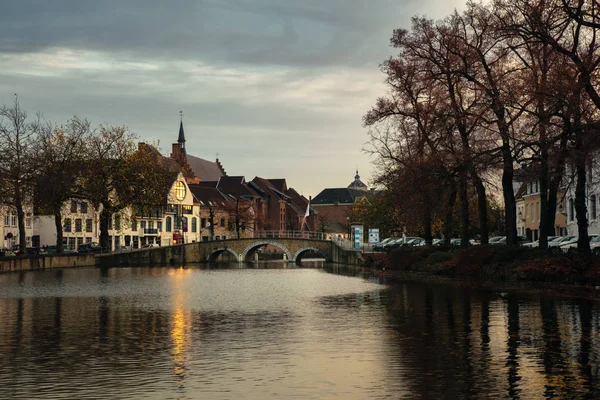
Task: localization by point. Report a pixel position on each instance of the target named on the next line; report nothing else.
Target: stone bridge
(242, 250)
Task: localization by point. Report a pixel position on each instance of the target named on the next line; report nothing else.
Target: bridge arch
(255, 245)
(298, 253)
(212, 257)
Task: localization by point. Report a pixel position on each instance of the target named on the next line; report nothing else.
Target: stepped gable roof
(204, 169)
(342, 195)
(209, 196)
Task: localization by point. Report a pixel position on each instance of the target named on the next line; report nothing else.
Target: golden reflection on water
(180, 325)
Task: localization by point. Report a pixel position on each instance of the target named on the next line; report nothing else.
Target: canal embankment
(42, 262)
(499, 264)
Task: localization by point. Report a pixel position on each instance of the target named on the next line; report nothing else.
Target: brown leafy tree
(60, 154)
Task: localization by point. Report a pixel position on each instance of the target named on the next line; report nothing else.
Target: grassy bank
(491, 263)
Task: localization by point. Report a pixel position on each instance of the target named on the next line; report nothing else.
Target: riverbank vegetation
(491, 263)
(473, 100)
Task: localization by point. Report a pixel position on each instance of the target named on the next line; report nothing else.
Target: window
(71, 243)
(13, 220)
(84, 207)
(88, 225)
(78, 225)
(194, 224)
(79, 239)
(168, 224)
(143, 224)
(118, 222)
(180, 190)
(68, 225)
(134, 225)
(7, 220)
(28, 221)
(187, 209)
(73, 206)
(223, 222)
(571, 210)
(202, 223)
(150, 224)
(593, 206)
(159, 226)
(185, 224)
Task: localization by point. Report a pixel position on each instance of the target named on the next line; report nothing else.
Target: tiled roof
(279, 184)
(204, 169)
(208, 196)
(342, 195)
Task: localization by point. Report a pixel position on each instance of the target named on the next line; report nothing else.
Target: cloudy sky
(276, 87)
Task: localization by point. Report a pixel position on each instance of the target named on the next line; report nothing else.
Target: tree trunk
(20, 219)
(449, 213)
(583, 242)
(481, 207)
(555, 178)
(510, 205)
(464, 208)
(427, 224)
(59, 230)
(104, 218)
(543, 178)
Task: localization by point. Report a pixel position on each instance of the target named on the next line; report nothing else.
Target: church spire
(181, 137)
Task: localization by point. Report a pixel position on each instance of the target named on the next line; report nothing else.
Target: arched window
(593, 206)
(185, 224)
(194, 224)
(168, 223)
(571, 210)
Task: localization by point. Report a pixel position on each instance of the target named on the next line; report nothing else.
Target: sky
(276, 88)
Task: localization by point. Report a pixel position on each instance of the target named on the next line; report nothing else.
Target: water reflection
(276, 333)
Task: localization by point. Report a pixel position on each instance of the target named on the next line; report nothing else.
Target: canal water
(282, 333)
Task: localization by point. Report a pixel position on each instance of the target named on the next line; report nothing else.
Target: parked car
(30, 251)
(437, 242)
(495, 239)
(415, 241)
(536, 244)
(381, 245)
(571, 245)
(90, 247)
(595, 245)
(148, 245)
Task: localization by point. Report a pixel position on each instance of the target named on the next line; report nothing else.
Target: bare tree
(18, 138)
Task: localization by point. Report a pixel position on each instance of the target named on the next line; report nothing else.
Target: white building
(10, 226)
(176, 222)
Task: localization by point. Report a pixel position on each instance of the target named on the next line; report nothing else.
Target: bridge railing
(290, 235)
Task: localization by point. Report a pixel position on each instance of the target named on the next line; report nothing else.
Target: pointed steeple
(181, 137)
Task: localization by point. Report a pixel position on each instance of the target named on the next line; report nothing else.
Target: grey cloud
(259, 32)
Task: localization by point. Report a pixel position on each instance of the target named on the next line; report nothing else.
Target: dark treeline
(475, 95)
